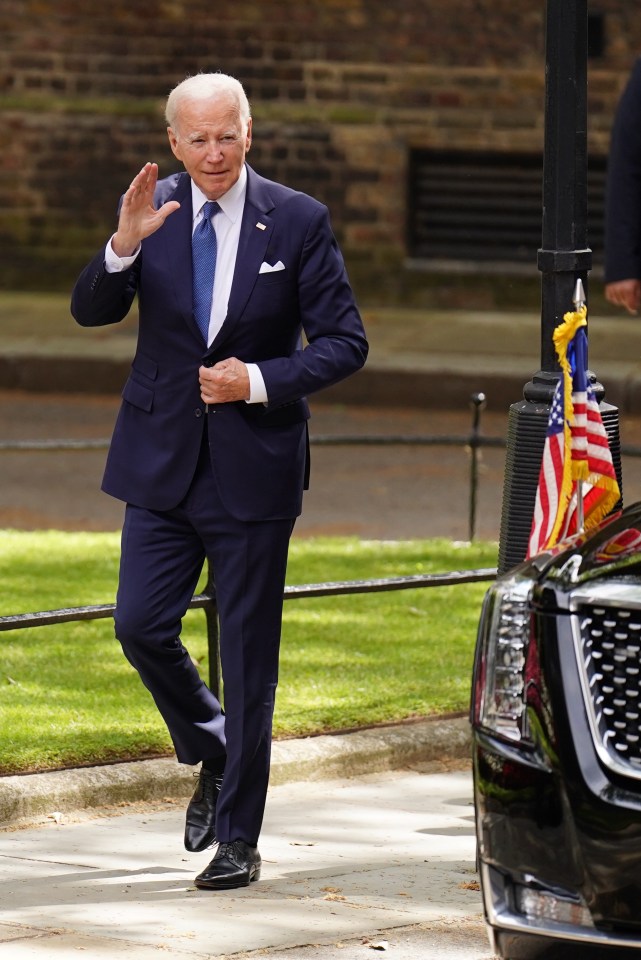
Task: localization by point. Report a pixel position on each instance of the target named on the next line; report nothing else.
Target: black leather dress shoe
(200, 823)
(236, 864)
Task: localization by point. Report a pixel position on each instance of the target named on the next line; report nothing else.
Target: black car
(556, 725)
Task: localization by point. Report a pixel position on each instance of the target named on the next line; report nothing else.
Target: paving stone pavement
(347, 864)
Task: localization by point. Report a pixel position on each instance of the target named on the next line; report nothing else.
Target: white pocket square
(268, 268)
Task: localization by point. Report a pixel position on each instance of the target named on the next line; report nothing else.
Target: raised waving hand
(138, 216)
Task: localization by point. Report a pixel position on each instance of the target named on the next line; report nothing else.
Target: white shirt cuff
(116, 264)
(257, 389)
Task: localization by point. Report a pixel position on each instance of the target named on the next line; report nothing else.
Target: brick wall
(340, 91)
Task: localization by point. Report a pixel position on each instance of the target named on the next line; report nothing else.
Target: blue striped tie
(203, 250)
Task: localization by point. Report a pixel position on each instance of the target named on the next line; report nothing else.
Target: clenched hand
(225, 382)
(624, 293)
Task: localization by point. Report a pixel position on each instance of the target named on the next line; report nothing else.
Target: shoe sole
(222, 885)
(201, 846)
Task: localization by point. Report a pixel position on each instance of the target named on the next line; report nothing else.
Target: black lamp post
(564, 258)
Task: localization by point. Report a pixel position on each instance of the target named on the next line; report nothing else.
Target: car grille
(610, 657)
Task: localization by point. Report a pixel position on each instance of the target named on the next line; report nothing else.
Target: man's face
(211, 142)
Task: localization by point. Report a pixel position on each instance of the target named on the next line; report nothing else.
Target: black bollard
(564, 258)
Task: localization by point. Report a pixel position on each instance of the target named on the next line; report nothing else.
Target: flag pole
(579, 302)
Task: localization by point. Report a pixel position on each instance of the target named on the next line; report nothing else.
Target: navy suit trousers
(162, 557)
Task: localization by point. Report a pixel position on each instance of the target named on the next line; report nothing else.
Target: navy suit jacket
(623, 195)
(259, 452)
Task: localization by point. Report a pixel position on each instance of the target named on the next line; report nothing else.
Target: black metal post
(564, 258)
(477, 402)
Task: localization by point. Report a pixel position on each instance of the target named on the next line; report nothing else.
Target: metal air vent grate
(486, 206)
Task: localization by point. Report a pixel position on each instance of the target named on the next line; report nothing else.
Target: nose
(214, 149)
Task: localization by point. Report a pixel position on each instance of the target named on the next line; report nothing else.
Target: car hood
(611, 550)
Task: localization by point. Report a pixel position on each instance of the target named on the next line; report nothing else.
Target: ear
(248, 136)
(174, 143)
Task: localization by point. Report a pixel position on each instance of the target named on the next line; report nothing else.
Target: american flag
(550, 489)
(577, 482)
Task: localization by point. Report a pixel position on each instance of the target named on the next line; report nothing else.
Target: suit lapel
(255, 232)
(177, 252)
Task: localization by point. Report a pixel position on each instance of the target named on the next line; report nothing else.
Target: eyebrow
(228, 132)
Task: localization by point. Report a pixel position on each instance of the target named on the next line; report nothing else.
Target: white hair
(205, 86)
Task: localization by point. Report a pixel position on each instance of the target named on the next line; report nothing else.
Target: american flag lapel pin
(261, 226)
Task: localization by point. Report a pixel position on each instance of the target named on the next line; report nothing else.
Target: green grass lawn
(68, 696)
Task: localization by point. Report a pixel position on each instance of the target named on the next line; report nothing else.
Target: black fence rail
(207, 602)
(474, 441)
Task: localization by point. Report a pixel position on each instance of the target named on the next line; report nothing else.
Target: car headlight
(501, 660)
(542, 905)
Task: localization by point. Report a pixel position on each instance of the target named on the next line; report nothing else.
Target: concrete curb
(25, 799)
(434, 387)
(443, 388)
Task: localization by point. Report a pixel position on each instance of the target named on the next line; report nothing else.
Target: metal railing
(207, 600)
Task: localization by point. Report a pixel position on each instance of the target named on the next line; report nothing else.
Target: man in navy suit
(210, 448)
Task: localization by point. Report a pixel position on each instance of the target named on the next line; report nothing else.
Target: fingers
(168, 208)
(138, 215)
(624, 293)
(140, 192)
(145, 181)
(633, 299)
(225, 371)
(225, 382)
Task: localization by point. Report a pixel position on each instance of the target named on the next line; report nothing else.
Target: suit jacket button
(198, 412)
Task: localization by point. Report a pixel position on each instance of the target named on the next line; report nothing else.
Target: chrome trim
(613, 593)
(500, 915)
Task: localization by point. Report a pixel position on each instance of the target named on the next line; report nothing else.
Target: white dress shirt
(227, 224)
